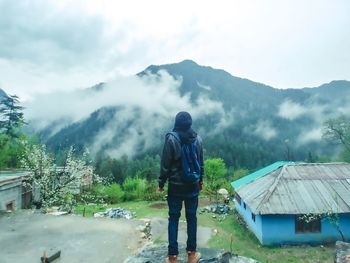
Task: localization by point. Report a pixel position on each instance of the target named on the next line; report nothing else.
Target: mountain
(223, 86)
(334, 90)
(253, 124)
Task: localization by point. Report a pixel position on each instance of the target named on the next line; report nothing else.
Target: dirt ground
(25, 235)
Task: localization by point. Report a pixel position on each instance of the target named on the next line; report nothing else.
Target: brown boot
(171, 259)
(193, 256)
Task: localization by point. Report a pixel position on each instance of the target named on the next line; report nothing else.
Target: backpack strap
(176, 135)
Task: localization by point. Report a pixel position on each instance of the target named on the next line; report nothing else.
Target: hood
(188, 136)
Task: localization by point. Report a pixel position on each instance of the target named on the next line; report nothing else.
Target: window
(302, 226)
(238, 199)
(10, 206)
(244, 205)
(253, 217)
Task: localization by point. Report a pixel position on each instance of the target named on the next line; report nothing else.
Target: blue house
(296, 203)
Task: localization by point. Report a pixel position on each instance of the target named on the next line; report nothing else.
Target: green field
(231, 235)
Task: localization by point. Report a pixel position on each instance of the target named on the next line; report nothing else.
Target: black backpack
(189, 160)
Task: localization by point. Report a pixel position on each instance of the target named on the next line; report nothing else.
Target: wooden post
(45, 259)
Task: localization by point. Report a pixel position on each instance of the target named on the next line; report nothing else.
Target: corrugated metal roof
(9, 179)
(259, 173)
(13, 172)
(300, 189)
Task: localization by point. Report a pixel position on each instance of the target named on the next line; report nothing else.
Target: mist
(316, 112)
(265, 130)
(146, 105)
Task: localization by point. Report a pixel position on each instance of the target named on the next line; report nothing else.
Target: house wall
(11, 192)
(246, 213)
(280, 229)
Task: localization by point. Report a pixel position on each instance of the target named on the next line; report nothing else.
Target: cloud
(265, 130)
(316, 111)
(307, 136)
(344, 109)
(40, 33)
(48, 45)
(291, 110)
(145, 105)
(205, 87)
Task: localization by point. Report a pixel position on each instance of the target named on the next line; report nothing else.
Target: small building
(296, 203)
(11, 190)
(13, 193)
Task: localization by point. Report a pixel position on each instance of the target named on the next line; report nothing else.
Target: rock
(115, 213)
(157, 253)
(342, 252)
(217, 209)
(99, 214)
(58, 213)
(119, 213)
(223, 192)
(146, 229)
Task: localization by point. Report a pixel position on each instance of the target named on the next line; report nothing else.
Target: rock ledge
(152, 253)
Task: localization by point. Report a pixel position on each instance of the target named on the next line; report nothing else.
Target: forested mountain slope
(251, 124)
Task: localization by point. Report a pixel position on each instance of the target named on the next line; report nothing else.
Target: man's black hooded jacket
(171, 167)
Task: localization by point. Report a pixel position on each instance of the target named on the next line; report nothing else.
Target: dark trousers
(175, 205)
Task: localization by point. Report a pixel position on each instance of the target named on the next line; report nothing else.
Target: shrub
(114, 193)
(68, 202)
(109, 193)
(134, 188)
(152, 193)
(214, 172)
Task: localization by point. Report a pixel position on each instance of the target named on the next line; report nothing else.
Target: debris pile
(221, 210)
(217, 209)
(116, 213)
(342, 252)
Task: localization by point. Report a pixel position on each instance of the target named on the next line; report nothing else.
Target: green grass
(243, 242)
(246, 244)
(141, 208)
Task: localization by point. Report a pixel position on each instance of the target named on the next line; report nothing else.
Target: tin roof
(259, 173)
(300, 189)
(13, 172)
(10, 176)
(9, 179)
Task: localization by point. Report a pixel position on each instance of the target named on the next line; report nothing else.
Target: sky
(49, 46)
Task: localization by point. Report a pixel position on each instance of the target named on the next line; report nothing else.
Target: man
(180, 190)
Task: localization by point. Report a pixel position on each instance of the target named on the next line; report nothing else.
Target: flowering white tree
(54, 185)
(331, 214)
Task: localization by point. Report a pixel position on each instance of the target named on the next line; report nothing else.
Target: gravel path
(25, 235)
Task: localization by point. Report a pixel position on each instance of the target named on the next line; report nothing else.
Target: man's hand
(160, 189)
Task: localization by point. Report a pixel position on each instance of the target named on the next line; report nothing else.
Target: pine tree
(11, 116)
(11, 138)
